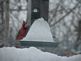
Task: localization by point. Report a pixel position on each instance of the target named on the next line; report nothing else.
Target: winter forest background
(64, 21)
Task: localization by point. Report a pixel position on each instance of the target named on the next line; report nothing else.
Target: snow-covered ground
(32, 54)
(39, 31)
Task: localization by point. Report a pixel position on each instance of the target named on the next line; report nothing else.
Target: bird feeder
(37, 9)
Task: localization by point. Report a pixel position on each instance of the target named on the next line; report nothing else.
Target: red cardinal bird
(22, 32)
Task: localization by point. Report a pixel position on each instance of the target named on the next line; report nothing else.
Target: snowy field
(32, 54)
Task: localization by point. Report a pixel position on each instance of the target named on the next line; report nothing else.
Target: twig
(65, 15)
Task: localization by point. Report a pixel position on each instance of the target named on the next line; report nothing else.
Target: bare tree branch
(54, 15)
(66, 14)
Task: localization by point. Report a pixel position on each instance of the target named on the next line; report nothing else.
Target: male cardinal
(22, 32)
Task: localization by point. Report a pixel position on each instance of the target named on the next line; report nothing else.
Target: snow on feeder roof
(39, 31)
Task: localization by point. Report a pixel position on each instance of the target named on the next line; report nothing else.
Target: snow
(39, 31)
(32, 54)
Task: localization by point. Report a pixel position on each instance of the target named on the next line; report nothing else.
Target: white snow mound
(39, 31)
(32, 54)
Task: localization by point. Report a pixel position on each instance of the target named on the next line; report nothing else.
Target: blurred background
(64, 19)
